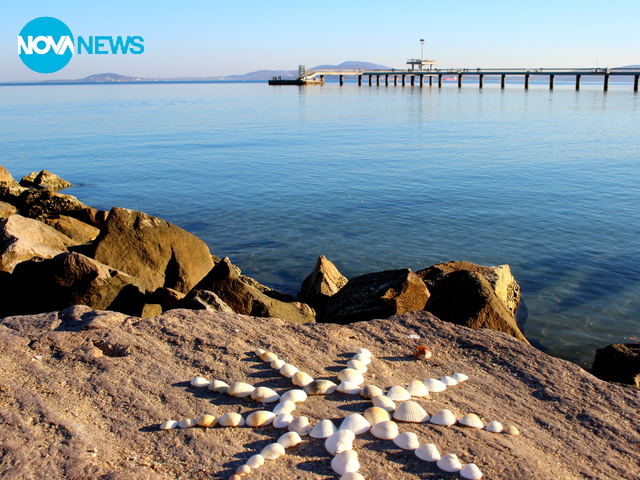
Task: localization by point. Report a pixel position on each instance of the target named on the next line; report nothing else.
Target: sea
(374, 178)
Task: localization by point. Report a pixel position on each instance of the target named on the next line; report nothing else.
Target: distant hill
(353, 65)
(269, 74)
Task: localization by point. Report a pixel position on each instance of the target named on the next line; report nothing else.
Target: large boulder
(91, 216)
(47, 178)
(467, 298)
(5, 177)
(619, 362)
(376, 295)
(75, 229)
(324, 282)
(205, 300)
(40, 204)
(159, 253)
(10, 190)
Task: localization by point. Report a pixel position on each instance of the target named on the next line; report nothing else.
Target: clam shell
(417, 389)
(300, 425)
(277, 364)
(258, 352)
(199, 382)
(264, 395)
(448, 381)
(339, 442)
(449, 463)
(272, 451)
(357, 365)
(324, 429)
(345, 462)
(471, 472)
(356, 423)
(434, 385)
(255, 461)
(349, 388)
(352, 476)
(240, 389)
(268, 357)
(289, 439)
(320, 387)
(218, 386)
(243, 470)
(370, 391)
(511, 430)
(364, 351)
(398, 394)
(351, 375)
(231, 419)
(301, 379)
(168, 425)
(235, 477)
(260, 418)
(459, 377)
(428, 452)
(387, 430)
(366, 359)
(284, 407)
(206, 421)
(407, 441)
(410, 411)
(443, 417)
(383, 402)
(288, 370)
(295, 396)
(186, 423)
(376, 415)
(471, 420)
(494, 427)
(283, 420)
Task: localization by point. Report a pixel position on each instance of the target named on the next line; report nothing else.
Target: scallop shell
(231, 419)
(376, 415)
(417, 389)
(411, 411)
(357, 365)
(511, 430)
(366, 359)
(383, 402)
(351, 375)
(300, 425)
(264, 395)
(258, 352)
(407, 441)
(199, 382)
(324, 429)
(272, 451)
(268, 357)
(255, 461)
(494, 427)
(428, 452)
(471, 472)
(295, 396)
(206, 421)
(284, 407)
(301, 379)
(320, 387)
(471, 420)
(349, 388)
(398, 394)
(260, 418)
(168, 425)
(240, 389)
(243, 470)
(289, 439)
(459, 377)
(387, 430)
(283, 420)
(356, 423)
(345, 462)
(364, 351)
(448, 381)
(339, 442)
(186, 423)
(422, 353)
(352, 476)
(435, 385)
(443, 417)
(277, 364)
(218, 386)
(288, 370)
(370, 391)
(449, 463)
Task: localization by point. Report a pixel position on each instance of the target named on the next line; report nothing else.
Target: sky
(205, 38)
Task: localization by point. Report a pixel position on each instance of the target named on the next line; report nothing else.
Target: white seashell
(258, 352)
(320, 387)
(218, 386)
(471, 472)
(300, 425)
(511, 430)
(351, 375)
(471, 420)
(407, 441)
(417, 389)
(345, 462)
(410, 411)
(364, 351)
(385, 430)
(349, 388)
(428, 452)
(268, 357)
(272, 451)
(356, 423)
(448, 381)
(206, 421)
(434, 385)
(283, 420)
(289, 439)
(301, 379)
(366, 359)
(398, 394)
(339, 442)
(284, 407)
(352, 476)
(324, 429)
(288, 370)
(277, 364)
(240, 389)
(264, 395)
(443, 417)
(376, 415)
(357, 365)
(260, 418)
(370, 391)
(255, 461)
(168, 425)
(295, 396)
(383, 402)
(449, 463)
(231, 419)
(199, 382)
(459, 377)
(243, 470)
(187, 423)
(494, 427)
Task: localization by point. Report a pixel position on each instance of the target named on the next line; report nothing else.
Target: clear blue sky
(212, 38)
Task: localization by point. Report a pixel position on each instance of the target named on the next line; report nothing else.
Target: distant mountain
(269, 74)
(353, 65)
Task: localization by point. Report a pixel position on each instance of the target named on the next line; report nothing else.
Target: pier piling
(635, 83)
(403, 80)
(386, 80)
(578, 82)
(341, 80)
(359, 80)
(606, 83)
(459, 80)
(439, 81)
(526, 81)
(480, 81)
(503, 80)
(551, 79)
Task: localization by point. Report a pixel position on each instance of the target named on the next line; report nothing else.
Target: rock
(24, 238)
(40, 204)
(47, 178)
(159, 253)
(324, 281)
(269, 292)
(466, 298)
(6, 178)
(151, 310)
(376, 295)
(28, 180)
(619, 362)
(91, 216)
(204, 300)
(75, 229)
(225, 280)
(167, 298)
(11, 193)
(6, 210)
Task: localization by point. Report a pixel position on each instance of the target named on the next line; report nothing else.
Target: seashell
(407, 441)
(255, 461)
(268, 357)
(370, 391)
(351, 375)
(422, 353)
(168, 425)
(511, 430)
(352, 476)
(288, 370)
(289, 439)
(272, 451)
(471, 472)
(339, 442)
(187, 423)
(383, 402)
(283, 420)
(376, 415)
(448, 381)
(417, 389)
(471, 420)
(231, 419)
(260, 418)
(206, 421)
(259, 351)
(235, 477)
(300, 425)
(284, 407)
(364, 351)
(449, 463)
(356, 423)
(428, 452)
(410, 411)
(398, 394)
(459, 377)
(301, 379)
(345, 462)
(320, 387)
(199, 382)
(387, 430)
(494, 427)
(349, 388)
(277, 364)
(324, 429)
(366, 359)
(240, 389)
(443, 417)
(243, 470)
(295, 396)
(218, 386)
(264, 395)
(435, 385)
(357, 365)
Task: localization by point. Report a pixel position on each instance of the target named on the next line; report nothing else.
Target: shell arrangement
(380, 419)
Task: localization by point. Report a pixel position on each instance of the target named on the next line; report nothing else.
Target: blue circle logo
(45, 45)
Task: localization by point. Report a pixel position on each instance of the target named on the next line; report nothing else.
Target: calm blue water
(373, 178)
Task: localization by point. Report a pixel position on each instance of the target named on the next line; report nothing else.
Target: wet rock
(204, 300)
(6, 210)
(75, 229)
(619, 362)
(324, 282)
(40, 204)
(47, 178)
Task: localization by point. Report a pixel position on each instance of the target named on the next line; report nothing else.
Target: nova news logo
(46, 45)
